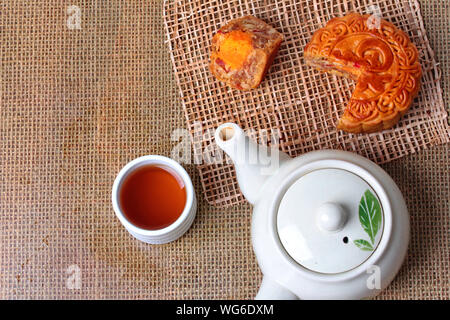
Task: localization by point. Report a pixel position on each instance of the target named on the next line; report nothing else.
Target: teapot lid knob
(331, 217)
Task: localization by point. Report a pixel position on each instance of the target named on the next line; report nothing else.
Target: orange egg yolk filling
(235, 49)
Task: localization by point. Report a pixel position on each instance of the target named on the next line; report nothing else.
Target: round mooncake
(379, 57)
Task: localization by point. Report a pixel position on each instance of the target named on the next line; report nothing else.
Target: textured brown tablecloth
(73, 111)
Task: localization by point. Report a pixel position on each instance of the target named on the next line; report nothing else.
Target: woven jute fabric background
(296, 103)
(80, 101)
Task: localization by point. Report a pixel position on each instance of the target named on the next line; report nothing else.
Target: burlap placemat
(77, 104)
(298, 103)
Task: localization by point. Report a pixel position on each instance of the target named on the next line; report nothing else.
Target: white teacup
(179, 226)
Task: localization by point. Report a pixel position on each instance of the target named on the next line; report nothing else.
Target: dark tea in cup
(152, 197)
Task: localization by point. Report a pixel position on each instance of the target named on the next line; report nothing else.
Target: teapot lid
(330, 220)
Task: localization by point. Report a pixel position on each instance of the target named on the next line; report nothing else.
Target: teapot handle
(271, 290)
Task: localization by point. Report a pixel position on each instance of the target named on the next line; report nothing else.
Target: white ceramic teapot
(326, 225)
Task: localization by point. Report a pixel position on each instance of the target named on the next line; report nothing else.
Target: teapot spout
(254, 163)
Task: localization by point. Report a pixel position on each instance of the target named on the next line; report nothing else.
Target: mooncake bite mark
(242, 52)
(379, 57)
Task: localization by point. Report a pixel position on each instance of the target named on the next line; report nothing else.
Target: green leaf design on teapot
(363, 244)
(370, 219)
